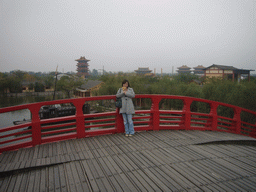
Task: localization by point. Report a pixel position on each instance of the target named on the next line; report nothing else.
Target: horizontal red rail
(84, 125)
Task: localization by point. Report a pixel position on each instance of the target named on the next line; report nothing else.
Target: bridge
(194, 148)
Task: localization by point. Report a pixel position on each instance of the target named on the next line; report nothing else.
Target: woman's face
(125, 84)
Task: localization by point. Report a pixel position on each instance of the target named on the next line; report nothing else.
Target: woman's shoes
(128, 135)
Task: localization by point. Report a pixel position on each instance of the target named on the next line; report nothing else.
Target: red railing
(39, 131)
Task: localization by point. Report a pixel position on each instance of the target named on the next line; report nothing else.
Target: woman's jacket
(127, 104)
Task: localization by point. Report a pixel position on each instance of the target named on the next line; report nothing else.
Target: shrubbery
(241, 94)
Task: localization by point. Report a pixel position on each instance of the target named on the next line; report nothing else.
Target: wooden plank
(18, 182)
(246, 184)
(70, 179)
(89, 174)
(136, 182)
(37, 180)
(45, 150)
(206, 169)
(17, 156)
(77, 145)
(155, 179)
(54, 149)
(59, 148)
(113, 163)
(11, 183)
(128, 182)
(190, 174)
(130, 161)
(232, 167)
(50, 149)
(24, 183)
(43, 179)
(229, 174)
(179, 176)
(116, 185)
(122, 163)
(51, 178)
(105, 167)
(76, 178)
(204, 175)
(63, 183)
(82, 177)
(5, 183)
(107, 184)
(68, 147)
(57, 185)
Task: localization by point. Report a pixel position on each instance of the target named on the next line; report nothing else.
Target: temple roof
(143, 70)
(199, 67)
(224, 67)
(184, 67)
(82, 59)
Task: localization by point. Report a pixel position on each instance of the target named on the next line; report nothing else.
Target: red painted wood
(144, 120)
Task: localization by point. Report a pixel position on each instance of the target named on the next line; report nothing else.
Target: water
(7, 119)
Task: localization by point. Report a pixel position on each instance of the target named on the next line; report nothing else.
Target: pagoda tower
(82, 67)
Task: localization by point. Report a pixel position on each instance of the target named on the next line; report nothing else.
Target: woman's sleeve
(119, 93)
(130, 93)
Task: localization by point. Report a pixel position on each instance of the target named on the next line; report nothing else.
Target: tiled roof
(224, 67)
(90, 84)
(184, 67)
(143, 69)
(82, 59)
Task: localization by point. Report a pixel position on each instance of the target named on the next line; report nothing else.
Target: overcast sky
(122, 35)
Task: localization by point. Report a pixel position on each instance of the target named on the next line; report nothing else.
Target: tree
(68, 84)
(49, 81)
(39, 87)
(31, 86)
(3, 83)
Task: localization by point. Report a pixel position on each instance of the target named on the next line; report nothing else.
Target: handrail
(83, 125)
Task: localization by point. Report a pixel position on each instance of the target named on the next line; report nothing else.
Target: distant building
(184, 69)
(143, 71)
(82, 67)
(86, 89)
(199, 70)
(226, 72)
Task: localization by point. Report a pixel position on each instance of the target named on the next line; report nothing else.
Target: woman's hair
(124, 81)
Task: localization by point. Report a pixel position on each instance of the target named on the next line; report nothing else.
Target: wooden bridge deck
(149, 161)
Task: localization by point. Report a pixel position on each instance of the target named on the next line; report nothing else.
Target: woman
(126, 93)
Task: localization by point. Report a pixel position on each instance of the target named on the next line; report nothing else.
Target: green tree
(68, 84)
(48, 80)
(31, 86)
(185, 77)
(39, 87)
(3, 83)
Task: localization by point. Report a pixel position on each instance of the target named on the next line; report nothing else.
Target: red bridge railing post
(155, 115)
(80, 128)
(119, 122)
(187, 113)
(214, 116)
(237, 120)
(36, 127)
